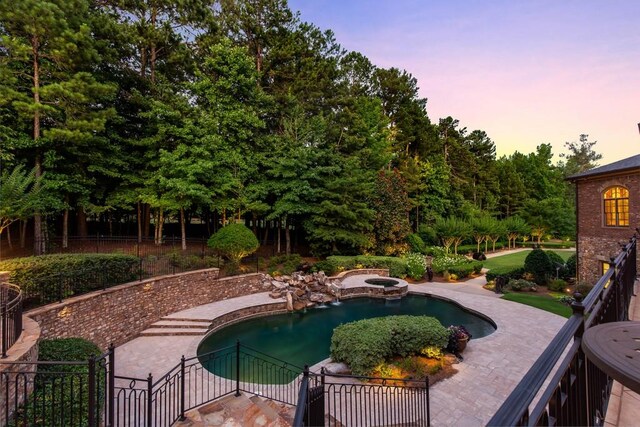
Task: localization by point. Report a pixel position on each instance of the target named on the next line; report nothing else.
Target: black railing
(349, 400)
(577, 392)
(56, 393)
(10, 316)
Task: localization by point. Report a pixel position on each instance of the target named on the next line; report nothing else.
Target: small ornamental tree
(234, 242)
(538, 264)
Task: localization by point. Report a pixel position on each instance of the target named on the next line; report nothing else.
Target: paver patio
(492, 365)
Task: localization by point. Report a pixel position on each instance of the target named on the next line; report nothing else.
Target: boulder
(336, 368)
(275, 294)
(316, 297)
(299, 305)
(289, 302)
(299, 292)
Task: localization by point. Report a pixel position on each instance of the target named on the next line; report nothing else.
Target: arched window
(616, 207)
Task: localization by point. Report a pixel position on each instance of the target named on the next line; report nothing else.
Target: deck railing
(577, 392)
(10, 316)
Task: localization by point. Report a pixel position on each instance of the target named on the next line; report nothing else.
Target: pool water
(304, 337)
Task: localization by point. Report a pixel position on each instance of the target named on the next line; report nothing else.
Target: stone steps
(155, 332)
(181, 324)
(239, 411)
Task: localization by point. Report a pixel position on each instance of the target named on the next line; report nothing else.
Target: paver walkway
(492, 367)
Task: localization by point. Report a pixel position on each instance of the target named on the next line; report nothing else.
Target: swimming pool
(304, 337)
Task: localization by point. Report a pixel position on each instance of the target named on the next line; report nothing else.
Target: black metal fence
(90, 393)
(349, 400)
(10, 316)
(52, 394)
(577, 392)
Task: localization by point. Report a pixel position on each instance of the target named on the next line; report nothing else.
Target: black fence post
(182, 388)
(5, 322)
(111, 392)
(426, 385)
(92, 392)
(237, 368)
(149, 399)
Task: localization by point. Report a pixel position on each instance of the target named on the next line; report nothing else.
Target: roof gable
(632, 162)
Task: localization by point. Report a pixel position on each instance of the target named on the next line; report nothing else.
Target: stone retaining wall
(118, 314)
(373, 291)
(14, 375)
(247, 313)
(384, 272)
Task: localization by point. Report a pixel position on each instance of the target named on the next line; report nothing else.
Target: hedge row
(507, 272)
(554, 245)
(334, 264)
(80, 272)
(367, 343)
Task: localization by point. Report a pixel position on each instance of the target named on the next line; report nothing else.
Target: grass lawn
(516, 260)
(542, 302)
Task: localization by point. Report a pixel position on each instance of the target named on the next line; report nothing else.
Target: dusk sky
(526, 72)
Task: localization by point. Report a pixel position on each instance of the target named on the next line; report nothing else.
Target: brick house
(608, 212)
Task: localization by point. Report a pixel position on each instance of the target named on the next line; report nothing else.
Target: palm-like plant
(19, 195)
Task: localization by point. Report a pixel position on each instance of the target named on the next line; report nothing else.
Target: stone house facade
(608, 213)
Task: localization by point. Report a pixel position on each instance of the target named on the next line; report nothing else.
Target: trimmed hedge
(507, 272)
(551, 245)
(572, 265)
(83, 272)
(367, 343)
(334, 264)
(234, 241)
(538, 263)
(416, 244)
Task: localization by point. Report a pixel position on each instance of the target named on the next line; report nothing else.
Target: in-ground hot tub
(382, 282)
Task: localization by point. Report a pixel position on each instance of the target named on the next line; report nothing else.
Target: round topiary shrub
(365, 344)
(572, 265)
(416, 244)
(234, 241)
(538, 264)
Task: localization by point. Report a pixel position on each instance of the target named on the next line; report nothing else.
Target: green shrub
(234, 241)
(436, 251)
(572, 265)
(334, 264)
(537, 263)
(428, 235)
(289, 263)
(367, 343)
(473, 248)
(557, 285)
(416, 244)
(50, 399)
(506, 272)
(465, 270)
(583, 289)
(81, 273)
(416, 265)
(519, 285)
(558, 266)
(455, 264)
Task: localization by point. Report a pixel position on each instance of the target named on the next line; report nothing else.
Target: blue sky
(526, 72)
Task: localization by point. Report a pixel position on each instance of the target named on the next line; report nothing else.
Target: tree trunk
(38, 235)
(81, 222)
(154, 53)
(279, 233)
(147, 220)
(255, 225)
(160, 226)
(9, 242)
(23, 233)
(110, 223)
(183, 230)
(139, 220)
(287, 237)
(65, 227)
(265, 237)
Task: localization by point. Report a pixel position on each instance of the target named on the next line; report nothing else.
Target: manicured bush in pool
(367, 343)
